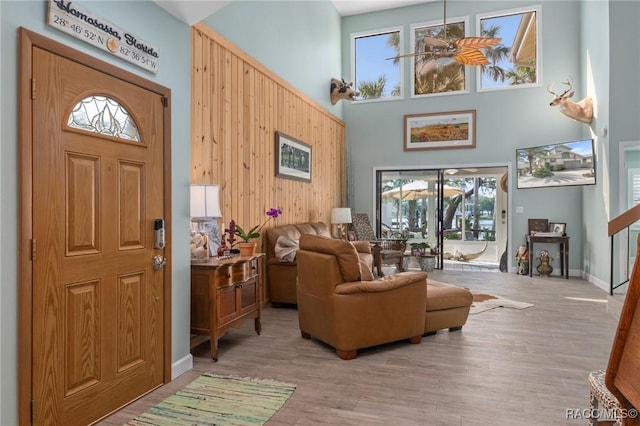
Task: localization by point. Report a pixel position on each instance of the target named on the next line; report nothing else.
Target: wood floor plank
(505, 367)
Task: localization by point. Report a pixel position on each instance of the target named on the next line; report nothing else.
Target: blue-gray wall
(506, 119)
(577, 41)
(624, 95)
(306, 43)
(595, 64)
(172, 38)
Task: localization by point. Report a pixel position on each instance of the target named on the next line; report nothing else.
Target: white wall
(172, 38)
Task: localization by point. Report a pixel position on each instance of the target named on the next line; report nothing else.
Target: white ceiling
(193, 11)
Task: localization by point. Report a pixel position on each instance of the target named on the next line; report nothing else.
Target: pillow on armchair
(366, 274)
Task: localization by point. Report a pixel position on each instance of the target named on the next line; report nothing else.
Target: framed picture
(538, 225)
(557, 164)
(446, 130)
(293, 158)
(351, 235)
(558, 227)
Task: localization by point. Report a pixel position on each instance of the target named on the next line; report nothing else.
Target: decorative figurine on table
(544, 263)
(522, 258)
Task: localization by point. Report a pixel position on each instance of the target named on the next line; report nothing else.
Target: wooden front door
(98, 304)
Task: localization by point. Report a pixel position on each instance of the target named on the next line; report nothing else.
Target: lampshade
(341, 215)
(205, 201)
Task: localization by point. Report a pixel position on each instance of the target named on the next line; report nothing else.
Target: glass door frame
(438, 183)
(502, 207)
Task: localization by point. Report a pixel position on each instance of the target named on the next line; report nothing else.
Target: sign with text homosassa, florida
(83, 25)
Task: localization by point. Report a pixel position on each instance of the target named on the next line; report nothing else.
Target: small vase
(247, 249)
(544, 266)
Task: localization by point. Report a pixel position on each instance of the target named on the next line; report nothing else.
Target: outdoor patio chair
(386, 251)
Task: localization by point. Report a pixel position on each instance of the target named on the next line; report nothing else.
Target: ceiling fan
(441, 51)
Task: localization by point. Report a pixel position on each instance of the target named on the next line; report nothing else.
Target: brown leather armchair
(339, 306)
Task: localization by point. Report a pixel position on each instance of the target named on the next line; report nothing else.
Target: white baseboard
(181, 366)
(595, 281)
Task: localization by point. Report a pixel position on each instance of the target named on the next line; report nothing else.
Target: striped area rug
(213, 399)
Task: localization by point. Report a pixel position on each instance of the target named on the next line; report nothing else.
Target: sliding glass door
(459, 214)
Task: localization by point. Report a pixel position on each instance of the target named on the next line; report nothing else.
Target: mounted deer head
(581, 111)
(340, 89)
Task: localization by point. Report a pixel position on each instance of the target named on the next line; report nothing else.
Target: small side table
(564, 251)
(225, 293)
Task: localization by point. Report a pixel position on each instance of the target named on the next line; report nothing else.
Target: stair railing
(616, 225)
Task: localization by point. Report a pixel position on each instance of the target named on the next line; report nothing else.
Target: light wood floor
(506, 367)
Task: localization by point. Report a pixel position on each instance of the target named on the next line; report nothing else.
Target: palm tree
(530, 154)
(440, 79)
(393, 41)
(494, 54)
(522, 75)
(372, 89)
(448, 78)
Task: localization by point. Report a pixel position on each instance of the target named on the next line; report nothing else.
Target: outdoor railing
(472, 234)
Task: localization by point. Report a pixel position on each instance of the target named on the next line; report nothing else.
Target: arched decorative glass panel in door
(104, 115)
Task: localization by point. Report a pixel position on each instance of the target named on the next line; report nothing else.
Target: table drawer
(222, 276)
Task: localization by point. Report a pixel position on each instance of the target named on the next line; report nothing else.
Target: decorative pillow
(285, 249)
(365, 272)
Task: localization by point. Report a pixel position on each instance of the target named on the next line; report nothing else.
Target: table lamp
(340, 216)
(204, 212)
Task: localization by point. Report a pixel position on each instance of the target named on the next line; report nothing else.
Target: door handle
(158, 262)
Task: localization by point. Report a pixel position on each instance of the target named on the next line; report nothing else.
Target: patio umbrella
(416, 190)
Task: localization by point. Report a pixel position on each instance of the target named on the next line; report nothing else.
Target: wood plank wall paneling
(237, 106)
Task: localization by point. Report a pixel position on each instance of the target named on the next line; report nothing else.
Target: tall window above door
(427, 76)
(376, 76)
(516, 61)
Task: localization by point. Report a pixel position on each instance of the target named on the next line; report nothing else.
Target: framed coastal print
(440, 130)
(293, 158)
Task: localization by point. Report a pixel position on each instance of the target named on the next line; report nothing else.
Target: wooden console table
(225, 293)
(564, 252)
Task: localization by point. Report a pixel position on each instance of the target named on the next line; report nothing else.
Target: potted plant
(248, 247)
(418, 249)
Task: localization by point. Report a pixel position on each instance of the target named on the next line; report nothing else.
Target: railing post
(611, 269)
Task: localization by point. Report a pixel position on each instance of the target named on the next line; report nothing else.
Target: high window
(428, 77)
(376, 70)
(515, 61)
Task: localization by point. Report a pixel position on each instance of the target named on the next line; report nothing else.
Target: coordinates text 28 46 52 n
(85, 26)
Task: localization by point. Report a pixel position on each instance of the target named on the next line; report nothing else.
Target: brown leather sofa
(281, 244)
(340, 304)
